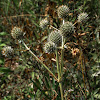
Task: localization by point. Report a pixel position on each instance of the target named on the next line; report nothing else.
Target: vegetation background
(23, 78)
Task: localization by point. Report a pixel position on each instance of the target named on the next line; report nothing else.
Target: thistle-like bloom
(83, 17)
(55, 37)
(7, 51)
(63, 11)
(49, 47)
(67, 29)
(17, 33)
(44, 23)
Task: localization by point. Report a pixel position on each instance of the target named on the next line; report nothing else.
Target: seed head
(55, 37)
(7, 51)
(49, 47)
(67, 29)
(83, 17)
(44, 23)
(63, 11)
(17, 33)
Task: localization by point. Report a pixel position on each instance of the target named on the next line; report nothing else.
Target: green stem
(57, 61)
(61, 91)
(62, 53)
(62, 56)
(61, 67)
(59, 75)
(39, 60)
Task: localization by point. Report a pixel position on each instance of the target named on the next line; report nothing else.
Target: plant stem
(61, 91)
(39, 61)
(59, 75)
(61, 67)
(62, 53)
(57, 61)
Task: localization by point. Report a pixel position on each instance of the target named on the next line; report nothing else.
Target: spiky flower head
(7, 51)
(44, 23)
(17, 33)
(67, 29)
(49, 47)
(55, 37)
(63, 11)
(83, 17)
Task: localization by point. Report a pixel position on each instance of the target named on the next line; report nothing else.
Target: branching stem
(59, 75)
(39, 61)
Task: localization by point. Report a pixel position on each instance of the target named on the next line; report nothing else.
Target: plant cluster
(63, 63)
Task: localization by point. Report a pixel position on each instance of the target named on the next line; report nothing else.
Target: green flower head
(7, 51)
(44, 23)
(63, 11)
(49, 47)
(67, 29)
(17, 33)
(55, 37)
(83, 17)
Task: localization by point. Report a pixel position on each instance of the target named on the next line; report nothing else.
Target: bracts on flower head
(67, 29)
(82, 17)
(44, 23)
(55, 37)
(49, 47)
(7, 51)
(63, 11)
(17, 33)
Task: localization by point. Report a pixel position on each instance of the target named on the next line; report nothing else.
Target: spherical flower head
(67, 29)
(44, 23)
(55, 37)
(17, 33)
(83, 17)
(63, 11)
(49, 47)
(7, 51)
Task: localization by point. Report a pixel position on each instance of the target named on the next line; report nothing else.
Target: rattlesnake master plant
(63, 11)
(7, 51)
(49, 47)
(44, 23)
(17, 33)
(55, 37)
(83, 17)
(67, 29)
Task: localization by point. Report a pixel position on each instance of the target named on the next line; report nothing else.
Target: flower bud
(63, 11)
(17, 33)
(44, 23)
(7, 51)
(67, 29)
(83, 17)
(55, 37)
(49, 47)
